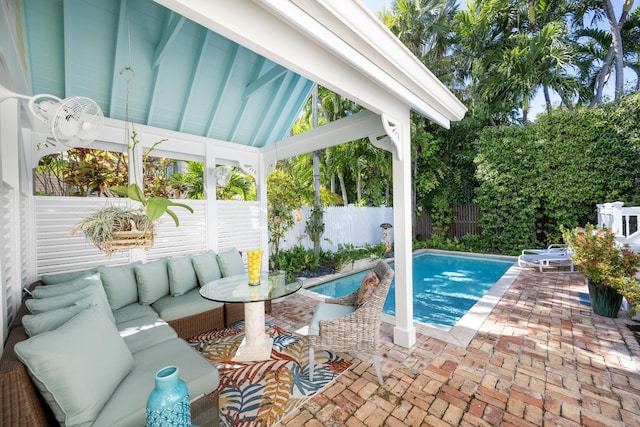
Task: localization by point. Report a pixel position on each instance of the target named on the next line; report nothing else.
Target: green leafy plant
(601, 259)
(155, 206)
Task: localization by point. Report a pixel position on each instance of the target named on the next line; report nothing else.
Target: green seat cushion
(120, 284)
(133, 311)
(145, 332)
(77, 367)
(127, 406)
(230, 263)
(171, 308)
(182, 276)
(326, 311)
(56, 278)
(35, 324)
(63, 288)
(153, 281)
(206, 267)
(95, 291)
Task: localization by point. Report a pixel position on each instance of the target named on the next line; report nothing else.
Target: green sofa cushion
(35, 324)
(326, 311)
(206, 267)
(133, 311)
(230, 263)
(56, 278)
(145, 332)
(153, 281)
(170, 308)
(95, 291)
(63, 288)
(127, 406)
(77, 366)
(182, 276)
(120, 284)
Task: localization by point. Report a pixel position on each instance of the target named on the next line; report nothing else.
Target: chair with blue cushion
(346, 324)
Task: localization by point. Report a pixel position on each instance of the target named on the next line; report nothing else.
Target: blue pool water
(445, 287)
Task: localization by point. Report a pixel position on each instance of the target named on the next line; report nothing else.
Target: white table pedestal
(256, 345)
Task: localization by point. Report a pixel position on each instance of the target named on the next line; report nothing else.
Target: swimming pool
(445, 287)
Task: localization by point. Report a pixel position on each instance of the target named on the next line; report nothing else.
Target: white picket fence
(343, 224)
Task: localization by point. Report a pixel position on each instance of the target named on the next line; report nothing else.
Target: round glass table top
(237, 289)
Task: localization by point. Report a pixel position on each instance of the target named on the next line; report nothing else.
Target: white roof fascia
(291, 37)
(359, 125)
(385, 50)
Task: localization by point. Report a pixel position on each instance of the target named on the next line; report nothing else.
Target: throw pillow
(95, 291)
(153, 281)
(64, 288)
(230, 263)
(57, 278)
(367, 287)
(35, 324)
(78, 366)
(120, 285)
(182, 276)
(206, 267)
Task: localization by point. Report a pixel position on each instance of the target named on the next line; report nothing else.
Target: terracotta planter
(605, 300)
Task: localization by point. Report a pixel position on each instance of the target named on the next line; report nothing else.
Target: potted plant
(608, 267)
(114, 228)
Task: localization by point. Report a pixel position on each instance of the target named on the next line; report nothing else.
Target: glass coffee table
(255, 345)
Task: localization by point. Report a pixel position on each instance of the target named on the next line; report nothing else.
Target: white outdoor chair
(556, 255)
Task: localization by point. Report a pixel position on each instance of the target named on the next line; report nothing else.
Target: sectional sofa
(85, 345)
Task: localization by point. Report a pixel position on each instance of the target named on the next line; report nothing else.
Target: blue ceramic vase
(168, 403)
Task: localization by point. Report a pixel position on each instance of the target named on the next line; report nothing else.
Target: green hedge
(536, 177)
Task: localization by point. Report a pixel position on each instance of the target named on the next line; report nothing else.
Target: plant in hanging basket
(603, 261)
(114, 228)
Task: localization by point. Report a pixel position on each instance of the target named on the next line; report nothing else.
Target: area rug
(262, 393)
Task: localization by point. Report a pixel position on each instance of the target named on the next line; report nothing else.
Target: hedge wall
(534, 178)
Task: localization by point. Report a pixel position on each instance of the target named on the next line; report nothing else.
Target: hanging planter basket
(112, 229)
(122, 240)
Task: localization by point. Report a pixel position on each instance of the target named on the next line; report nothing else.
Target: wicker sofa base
(190, 326)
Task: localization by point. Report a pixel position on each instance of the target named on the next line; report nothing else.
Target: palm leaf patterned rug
(262, 393)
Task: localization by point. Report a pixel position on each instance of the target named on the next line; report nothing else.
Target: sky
(537, 105)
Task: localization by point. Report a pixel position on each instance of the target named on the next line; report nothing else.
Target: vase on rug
(605, 300)
(168, 404)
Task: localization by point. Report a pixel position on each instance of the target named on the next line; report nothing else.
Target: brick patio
(540, 359)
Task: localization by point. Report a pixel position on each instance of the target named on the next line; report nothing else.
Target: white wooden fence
(343, 224)
(623, 221)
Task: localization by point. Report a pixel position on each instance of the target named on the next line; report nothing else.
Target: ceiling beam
(173, 29)
(271, 75)
(232, 60)
(279, 99)
(233, 130)
(359, 125)
(195, 76)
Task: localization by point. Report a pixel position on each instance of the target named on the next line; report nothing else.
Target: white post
(404, 333)
(616, 223)
(210, 197)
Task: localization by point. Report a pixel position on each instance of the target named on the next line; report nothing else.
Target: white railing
(623, 221)
(343, 224)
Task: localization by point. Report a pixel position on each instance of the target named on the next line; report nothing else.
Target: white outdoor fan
(222, 175)
(73, 122)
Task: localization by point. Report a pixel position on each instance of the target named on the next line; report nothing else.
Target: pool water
(445, 287)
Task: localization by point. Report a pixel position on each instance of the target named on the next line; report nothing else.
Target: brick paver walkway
(540, 359)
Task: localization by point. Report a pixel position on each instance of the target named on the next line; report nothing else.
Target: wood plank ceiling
(185, 77)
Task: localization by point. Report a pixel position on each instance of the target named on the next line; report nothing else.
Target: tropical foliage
(602, 260)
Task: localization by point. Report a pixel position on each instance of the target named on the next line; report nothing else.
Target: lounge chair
(556, 255)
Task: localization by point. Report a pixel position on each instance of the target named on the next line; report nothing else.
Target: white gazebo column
(404, 333)
(210, 196)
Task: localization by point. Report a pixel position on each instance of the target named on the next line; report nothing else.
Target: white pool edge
(468, 326)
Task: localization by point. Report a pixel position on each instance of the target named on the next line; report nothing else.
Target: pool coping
(467, 327)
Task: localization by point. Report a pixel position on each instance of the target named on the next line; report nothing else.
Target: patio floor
(540, 359)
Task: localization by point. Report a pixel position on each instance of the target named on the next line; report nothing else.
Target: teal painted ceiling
(185, 77)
